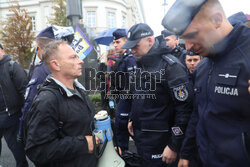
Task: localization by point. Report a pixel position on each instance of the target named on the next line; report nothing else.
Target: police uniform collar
(226, 44)
(151, 57)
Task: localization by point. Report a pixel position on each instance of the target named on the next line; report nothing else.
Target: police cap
(119, 33)
(239, 17)
(136, 33)
(180, 15)
(166, 33)
(47, 32)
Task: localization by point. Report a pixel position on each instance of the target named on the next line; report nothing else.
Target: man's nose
(188, 45)
(80, 61)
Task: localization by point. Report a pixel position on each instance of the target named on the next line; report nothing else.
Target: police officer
(220, 122)
(161, 102)
(38, 75)
(125, 64)
(173, 41)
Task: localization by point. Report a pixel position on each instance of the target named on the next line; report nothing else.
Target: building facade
(98, 15)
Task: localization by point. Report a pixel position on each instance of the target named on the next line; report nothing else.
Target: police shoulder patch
(169, 59)
(180, 92)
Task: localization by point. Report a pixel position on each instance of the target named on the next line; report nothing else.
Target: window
(33, 20)
(91, 18)
(47, 14)
(124, 21)
(111, 19)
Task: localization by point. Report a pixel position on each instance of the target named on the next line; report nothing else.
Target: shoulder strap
(11, 69)
(61, 114)
(169, 59)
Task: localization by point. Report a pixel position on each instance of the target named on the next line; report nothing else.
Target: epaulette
(169, 59)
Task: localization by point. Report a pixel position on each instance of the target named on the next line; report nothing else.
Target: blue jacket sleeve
(181, 93)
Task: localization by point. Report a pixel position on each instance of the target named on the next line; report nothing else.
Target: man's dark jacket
(220, 122)
(47, 145)
(12, 86)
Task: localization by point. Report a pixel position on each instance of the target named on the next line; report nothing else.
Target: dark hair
(1, 47)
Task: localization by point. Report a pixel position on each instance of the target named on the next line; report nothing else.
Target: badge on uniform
(177, 131)
(180, 93)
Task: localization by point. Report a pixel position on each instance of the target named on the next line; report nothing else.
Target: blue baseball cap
(47, 32)
(119, 33)
(180, 15)
(136, 33)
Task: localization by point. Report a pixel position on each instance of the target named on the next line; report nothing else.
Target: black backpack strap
(11, 69)
(61, 114)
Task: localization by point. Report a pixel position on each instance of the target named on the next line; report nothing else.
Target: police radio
(107, 155)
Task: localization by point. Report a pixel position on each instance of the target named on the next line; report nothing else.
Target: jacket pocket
(227, 76)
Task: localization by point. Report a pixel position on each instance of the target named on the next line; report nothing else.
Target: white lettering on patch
(157, 156)
(226, 91)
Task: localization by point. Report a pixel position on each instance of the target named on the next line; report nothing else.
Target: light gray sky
(154, 10)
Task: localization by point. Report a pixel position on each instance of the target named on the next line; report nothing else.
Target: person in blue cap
(13, 81)
(38, 75)
(162, 100)
(172, 40)
(220, 122)
(127, 65)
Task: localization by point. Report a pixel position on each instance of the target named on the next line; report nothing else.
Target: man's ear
(54, 65)
(217, 19)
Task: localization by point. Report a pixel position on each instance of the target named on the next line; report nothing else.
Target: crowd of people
(187, 94)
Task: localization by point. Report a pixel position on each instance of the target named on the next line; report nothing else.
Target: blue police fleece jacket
(220, 122)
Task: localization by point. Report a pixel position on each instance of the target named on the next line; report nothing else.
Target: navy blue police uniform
(220, 122)
(162, 100)
(222, 104)
(127, 66)
(38, 76)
